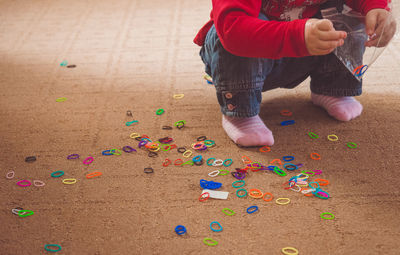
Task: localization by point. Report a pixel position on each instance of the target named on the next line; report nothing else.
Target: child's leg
(333, 88)
(239, 82)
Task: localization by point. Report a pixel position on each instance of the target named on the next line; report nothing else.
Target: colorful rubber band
(160, 111)
(57, 174)
(30, 159)
(269, 199)
(315, 156)
(93, 174)
(178, 96)
(313, 135)
(209, 241)
(327, 218)
(38, 183)
(21, 183)
(69, 181)
(203, 197)
(246, 160)
(223, 172)
(88, 160)
(106, 153)
(293, 251)
(290, 167)
(278, 201)
(208, 161)
(116, 152)
(252, 209)
(129, 123)
(25, 213)
(213, 229)
(180, 230)
(255, 193)
(61, 99)
(187, 153)
(287, 122)
(240, 190)
(228, 211)
(148, 170)
(10, 175)
(351, 145)
(286, 113)
(240, 181)
(128, 149)
(277, 160)
(322, 182)
(279, 171)
(265, 149)
(227, 160)
(73, 156)
(134, 135)
(333, 138)
(218, 162)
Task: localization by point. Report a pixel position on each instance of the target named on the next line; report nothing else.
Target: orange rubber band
(324, 182)
(246, 160)
(276, 160)
(175, 162)
(255, 193)
(265, 149)
(309, 194)
(94, 174)
(286, 113)
(267, 200)
(315, 156)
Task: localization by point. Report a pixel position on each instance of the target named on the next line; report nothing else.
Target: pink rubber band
(24, 185)
(88, 160)
(35, 182)
(12, 175)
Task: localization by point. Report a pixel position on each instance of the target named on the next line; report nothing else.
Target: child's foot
(341, 108)
(247, 131)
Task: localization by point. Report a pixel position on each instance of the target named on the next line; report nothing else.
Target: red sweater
(243, 34)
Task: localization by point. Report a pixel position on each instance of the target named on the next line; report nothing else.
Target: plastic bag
(353, 53)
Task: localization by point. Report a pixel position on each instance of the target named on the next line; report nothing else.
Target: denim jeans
(239, 81)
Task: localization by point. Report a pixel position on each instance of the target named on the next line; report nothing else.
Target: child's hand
(321, 37)
(374, 23)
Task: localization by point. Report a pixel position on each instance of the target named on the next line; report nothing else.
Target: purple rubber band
(73, 156)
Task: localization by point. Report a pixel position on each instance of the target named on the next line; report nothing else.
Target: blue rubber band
(288, 158)
(107, 153)
(210, 184)
(198, 158)
(252, 207)
(290, 164)
(180, 230)
(216, 230)
(287, 122)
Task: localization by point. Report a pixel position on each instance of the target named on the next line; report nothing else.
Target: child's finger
(379, 38)
(370, 23)
(324, 25)
(332, 35)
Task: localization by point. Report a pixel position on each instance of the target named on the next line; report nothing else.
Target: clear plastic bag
(353, 53)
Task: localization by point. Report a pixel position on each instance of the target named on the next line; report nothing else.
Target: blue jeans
(239, 81)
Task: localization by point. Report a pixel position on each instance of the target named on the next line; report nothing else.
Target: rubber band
(313, 135)
(252, 209)
(152, 154)
(315, 188)
(181, 149)
(57, 174)
(265, 149)
(269, 199)
(306, 191)
(226, 172)
(152, 145)
(197, 158)
(276, 160)
(116, 152)
(318, 172)
(286, 113)
(309, 173)
(180, 124)
(20, 183)
(218, 162)
(202, 198)
(178, 96)
(88, 160)
(64, 63)
(30, 159)
(240, 181)
(187, 153)
(93, 174)
(164, 148)
(279, 171)
(148, 170)
(69, 181)
(291, 168)
(189, 162)
(227, 160)
(351, 145)
(129, 113)
(287, 158)
(178, 160)
(291, 184)
(160, 111)
(298, 190)
(166, 127)
(46, 247)
(326, 218)
(201, 138)
(287, 122)
(180, 230)
(61, 99)
(293, 251)
(12, 173)
(208, 161)
(16, 210)
(278, 201)
(210, 184)
(107, 153)
(213, 173)
(299, 165)
(246, 160)
(239, 190)
(165, 140)
(134, 135)
(209, 143)
(130, 122)
(315, 156)
(228, 211)
(359, 71)
(319, 191)
(239, 175)
(38, 183)
(166, 162)
(142, 143)
(210, 241)
(219, 225)
(255, 193)
(25, 213)
(73, 156)
(322, 182)
(333, 138)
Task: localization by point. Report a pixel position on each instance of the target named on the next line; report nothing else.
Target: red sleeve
(364, 6)
(242, 33)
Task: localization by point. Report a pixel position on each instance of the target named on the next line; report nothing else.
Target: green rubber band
(189, 162)
(313, 135)
(279, 171)
(209, 160)
(327, 213)
(228, 159)
(237, 193)
(57, 174)
(131, 122)
(229, 213)
(64, 63)
(25, 213)
(163, 148)
(213, 242)
(160, 111)
(114, 152)
(209, 143)
(241, 181)
(223, 170)
(309, 172)
(351, 145)
(52, 245)
(61, 99)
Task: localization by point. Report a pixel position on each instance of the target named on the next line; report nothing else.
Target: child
(251, 46)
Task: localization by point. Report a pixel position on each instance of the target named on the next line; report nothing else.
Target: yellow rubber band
(187, 153)
(178, 96)
(333, 138)
(134, 135)
(282, 203)
(293, 251)
(69, 181)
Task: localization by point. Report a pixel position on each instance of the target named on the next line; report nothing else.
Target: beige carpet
(135, 55)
